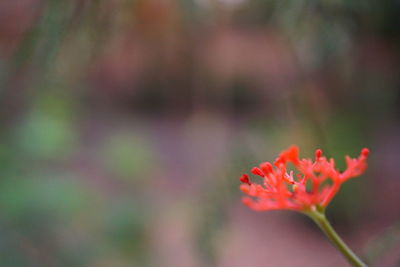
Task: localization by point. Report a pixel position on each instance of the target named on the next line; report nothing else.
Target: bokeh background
(125, 125)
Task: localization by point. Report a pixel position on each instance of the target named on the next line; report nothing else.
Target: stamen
(365, 152)
(266, 167)
(318, 154)
(257, 171)
(245, 179)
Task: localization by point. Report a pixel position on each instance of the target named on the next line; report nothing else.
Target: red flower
(314, 186)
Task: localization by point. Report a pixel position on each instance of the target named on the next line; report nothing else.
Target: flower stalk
(318, 216)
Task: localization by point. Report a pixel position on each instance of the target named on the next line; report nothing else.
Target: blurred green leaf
(44, 135)
(55, 195)
(127, 155)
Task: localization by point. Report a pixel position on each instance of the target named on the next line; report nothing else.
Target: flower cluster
(315, 185)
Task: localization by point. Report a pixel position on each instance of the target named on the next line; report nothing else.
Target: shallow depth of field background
(126, 124)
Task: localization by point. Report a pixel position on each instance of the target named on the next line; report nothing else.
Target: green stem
(318, 216)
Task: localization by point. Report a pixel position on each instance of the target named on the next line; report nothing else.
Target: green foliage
(45, 136)
(127, 155)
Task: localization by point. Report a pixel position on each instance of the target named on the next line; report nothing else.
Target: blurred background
(125, 125)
